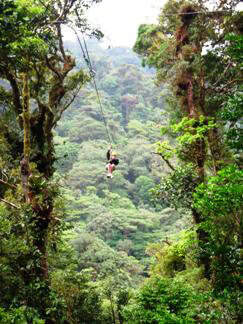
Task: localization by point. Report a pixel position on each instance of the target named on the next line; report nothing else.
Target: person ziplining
(113, 161)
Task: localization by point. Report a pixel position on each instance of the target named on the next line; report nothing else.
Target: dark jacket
(114, 161)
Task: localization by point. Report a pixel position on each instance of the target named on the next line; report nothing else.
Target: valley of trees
(160, 242)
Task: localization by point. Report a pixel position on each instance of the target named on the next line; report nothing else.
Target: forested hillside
(115, 218)
(159, 242)
(134, 109)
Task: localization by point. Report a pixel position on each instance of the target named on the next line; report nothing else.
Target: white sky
(119, 19)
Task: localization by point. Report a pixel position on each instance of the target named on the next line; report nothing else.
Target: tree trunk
(112, 311)
(41, 208)
(25, 170)
(215, 148)
(202, 240)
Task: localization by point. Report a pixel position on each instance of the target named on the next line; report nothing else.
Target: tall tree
(39, 83)
(188, 49)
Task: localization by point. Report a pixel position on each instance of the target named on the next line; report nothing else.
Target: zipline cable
(92, 73)
(201, 12)
(88, 62)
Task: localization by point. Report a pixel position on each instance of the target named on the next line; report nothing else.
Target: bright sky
(119, 19)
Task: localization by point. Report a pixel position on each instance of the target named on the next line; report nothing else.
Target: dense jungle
(161, 241)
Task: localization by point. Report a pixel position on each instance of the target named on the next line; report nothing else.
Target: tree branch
(223, 74)
(166, 241)
(61, 46)
(225, 88)
(51, 67)
(25, 169)
(67, 104)
(9, 203)
(7, 184)
(15, 92)
(166, 161)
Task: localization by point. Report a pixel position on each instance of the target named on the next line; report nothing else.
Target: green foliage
(236, 47)
(220, 202)
(119, 223)
(150, 40)
(114, 220)
(164, 149)
(95, 254)
(232, 111)
(177, 189)
(81, 296)
(205, 109)
(66, 153)
(173, 256)
(177, 291)
(161, 301)
(192, 130)
(222, 193)
(17, 36)
(143, 185)
(231, 116)
(20, 315)
(32, 50)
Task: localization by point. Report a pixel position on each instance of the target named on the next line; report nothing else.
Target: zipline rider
(113, 161)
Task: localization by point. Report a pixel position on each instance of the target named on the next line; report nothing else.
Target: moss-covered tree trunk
(192, 96)
(176, 48)
(24, 163)
(39, 90)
